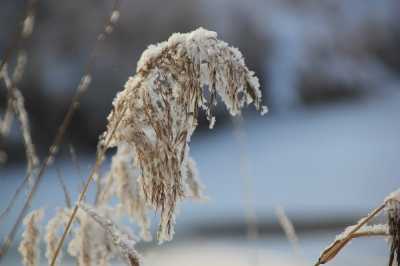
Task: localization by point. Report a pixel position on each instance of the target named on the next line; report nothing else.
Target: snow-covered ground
(341, 159)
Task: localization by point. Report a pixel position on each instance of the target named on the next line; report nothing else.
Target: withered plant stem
(79, 92)
(29, 10)
(99, 159)
(337, 246)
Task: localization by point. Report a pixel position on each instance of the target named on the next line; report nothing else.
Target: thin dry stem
(6, 122)
(122, 240)
(15, 100)
(14, 197)
(288, 228)
(24, 31)
(332, 250)
(22, 115)
(67, 196)
(52, 235)
(75, 161)
(58, 139)
(99, 159)
(244, 164)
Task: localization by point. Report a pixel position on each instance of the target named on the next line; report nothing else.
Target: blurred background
(327, 152)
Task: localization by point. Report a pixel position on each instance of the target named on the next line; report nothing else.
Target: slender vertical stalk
(95, 169)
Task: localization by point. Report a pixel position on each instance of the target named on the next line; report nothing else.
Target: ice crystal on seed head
(160, 108)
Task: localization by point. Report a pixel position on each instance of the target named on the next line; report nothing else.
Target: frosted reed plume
(91, 244)
(194, 187)
(29, 246)
(52, 235)
(171, 84)
(362, 229)
(123, 241)
(125, 175)
(151, 125)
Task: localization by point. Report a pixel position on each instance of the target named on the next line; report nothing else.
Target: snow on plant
(29, 246)
(151, 124)
(161, 104)
(391, 230)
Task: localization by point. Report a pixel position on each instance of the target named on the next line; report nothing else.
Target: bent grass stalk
(331, 252)
(362, 230)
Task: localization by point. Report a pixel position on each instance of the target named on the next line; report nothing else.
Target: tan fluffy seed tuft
(29, 246)
(174, 80)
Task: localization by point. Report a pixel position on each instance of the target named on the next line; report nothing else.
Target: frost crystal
(160, 108)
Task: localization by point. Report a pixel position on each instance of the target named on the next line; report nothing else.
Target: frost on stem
(18, 106)
(392, 230)
(52, 235)
(124, 242)
(91, 244)
(174, 80)
(29, 246)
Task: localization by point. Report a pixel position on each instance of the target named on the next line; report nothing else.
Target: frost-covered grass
(151, 124)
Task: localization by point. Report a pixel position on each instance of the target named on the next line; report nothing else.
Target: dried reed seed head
(123, 241)
(127, 189)
(160, 105)
(91, 245)
(393, 214)
(29, 246)
(52, 235)
(194, 187)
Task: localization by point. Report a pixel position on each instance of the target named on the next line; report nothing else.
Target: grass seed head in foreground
(151, 124)
(162, 102)
(29, 246)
